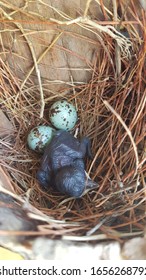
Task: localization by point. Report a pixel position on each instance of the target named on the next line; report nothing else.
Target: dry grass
(111, 110)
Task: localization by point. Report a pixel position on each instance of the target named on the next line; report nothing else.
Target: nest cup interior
(111, 113)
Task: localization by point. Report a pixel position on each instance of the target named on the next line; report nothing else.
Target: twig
(128, 132)
(121, 40)
(87, 7)
(39, 79)
(117, 48)
(101, 236)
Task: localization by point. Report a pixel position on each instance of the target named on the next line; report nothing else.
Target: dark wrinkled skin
(62, 164)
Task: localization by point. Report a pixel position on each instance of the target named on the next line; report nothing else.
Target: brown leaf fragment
(6, 126)
(4, 180)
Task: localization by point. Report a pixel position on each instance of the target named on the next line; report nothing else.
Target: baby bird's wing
(65, 144)
(63, 150)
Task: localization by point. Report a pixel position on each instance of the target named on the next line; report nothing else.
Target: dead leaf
(4, 180)
(6, 126)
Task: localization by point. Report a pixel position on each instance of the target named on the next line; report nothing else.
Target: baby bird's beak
(90, 184)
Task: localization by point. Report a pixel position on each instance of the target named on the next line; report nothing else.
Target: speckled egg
(63, 115)
(39, 136)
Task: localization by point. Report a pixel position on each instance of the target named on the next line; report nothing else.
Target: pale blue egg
(63, 115)
(39, 136)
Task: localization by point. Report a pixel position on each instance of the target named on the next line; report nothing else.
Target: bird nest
(111, 112)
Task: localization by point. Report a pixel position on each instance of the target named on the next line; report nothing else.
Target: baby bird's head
(70, 180)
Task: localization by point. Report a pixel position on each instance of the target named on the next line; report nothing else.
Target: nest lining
(111, 111)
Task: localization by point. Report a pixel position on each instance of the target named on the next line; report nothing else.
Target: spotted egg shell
(39, 136)
(63, 115)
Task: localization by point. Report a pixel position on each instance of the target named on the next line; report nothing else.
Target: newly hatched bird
(62, 165)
